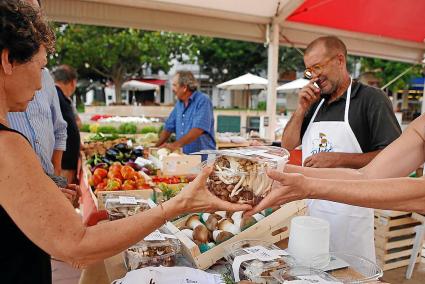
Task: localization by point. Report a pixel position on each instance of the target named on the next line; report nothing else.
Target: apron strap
(347, 104)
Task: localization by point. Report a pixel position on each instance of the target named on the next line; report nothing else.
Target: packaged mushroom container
(239, 175)
(256, 260)
(157, 249)
(124, 206)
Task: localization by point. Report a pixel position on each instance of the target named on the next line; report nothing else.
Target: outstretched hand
(286, 188)
(195, 197)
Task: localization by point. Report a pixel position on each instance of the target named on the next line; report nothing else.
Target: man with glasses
(340, 122)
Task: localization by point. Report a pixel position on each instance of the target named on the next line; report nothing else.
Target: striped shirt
(42, 123)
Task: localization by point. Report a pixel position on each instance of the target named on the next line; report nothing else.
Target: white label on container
(155, 236)
(127, 200)
(307, 279)
(262, 253)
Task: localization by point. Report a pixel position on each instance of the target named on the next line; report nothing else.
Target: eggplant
(113, 154)
(133, 165)
(137, 153)
(100, 165)
(122, 147)
(107, 161)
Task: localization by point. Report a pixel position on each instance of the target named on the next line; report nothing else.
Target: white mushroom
(210, 220)
(228, 226)
(235, 190)
(220, 236)
(200, 232)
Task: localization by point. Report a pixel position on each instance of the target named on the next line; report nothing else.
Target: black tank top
(21, 261)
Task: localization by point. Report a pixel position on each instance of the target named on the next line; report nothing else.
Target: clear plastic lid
(157, 249)
(352, 269)
(255, 260)
(303, 275)
(239, 175)
(124, 206)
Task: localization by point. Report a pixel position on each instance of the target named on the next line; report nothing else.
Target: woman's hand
(286, 188)
(195, 198)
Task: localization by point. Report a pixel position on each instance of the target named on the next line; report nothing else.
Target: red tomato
(127, 172)
(97, 179)
(101, 172)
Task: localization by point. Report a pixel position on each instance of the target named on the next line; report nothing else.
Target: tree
(387, 70)
(118, 54)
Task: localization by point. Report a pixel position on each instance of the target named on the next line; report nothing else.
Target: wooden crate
(271, 229)
(176, 165)
(394, 237)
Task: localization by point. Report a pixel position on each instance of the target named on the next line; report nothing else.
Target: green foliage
(127, 128)
(85, 128)
(106, 129)
(118, 54)
(149, 129)
(262, 105)
(387, 70)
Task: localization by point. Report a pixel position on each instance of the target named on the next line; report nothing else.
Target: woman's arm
(41, 211)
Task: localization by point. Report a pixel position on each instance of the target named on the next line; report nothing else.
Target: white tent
(134, 85)
(267, 22)
(245, 82)
(293, 85)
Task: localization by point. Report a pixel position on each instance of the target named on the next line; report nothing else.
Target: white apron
(351, 226)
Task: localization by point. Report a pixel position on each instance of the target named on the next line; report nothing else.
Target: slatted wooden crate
(394, 238)
(272, 229)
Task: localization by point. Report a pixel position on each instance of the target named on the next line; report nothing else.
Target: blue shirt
(197, 114)
(42, 123)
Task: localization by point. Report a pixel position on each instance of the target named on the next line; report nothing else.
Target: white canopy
(245, 82)
(134, 85)
(296, 84)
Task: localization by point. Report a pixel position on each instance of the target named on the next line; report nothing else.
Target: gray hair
(64, 74)
(187, 79)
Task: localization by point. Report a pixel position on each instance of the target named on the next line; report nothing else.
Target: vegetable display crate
(394, 237)
(271, 229)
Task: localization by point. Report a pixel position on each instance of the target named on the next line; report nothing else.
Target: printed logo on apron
(321, 144)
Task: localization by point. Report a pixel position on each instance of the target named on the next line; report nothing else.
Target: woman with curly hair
(35, 218)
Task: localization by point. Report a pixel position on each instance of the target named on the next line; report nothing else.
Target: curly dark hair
(23, 30)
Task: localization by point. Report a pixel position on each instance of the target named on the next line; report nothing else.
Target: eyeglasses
(316, 69)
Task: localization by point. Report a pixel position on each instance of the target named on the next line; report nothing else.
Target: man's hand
(307, 96)
(323, 160)
(171, 146)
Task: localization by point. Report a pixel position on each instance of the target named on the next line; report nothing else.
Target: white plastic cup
(309, 241)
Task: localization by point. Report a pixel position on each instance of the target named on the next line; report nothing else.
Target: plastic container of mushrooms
(124, 206)
(256, 261)
(157, 249)
(239, 175)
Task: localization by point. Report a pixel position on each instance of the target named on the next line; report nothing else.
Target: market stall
(120, 178)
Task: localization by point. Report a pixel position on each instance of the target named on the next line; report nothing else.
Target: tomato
(97, 179)
(127, 172)
(101, 186)
(116, 166)
(101, 172)
(116, 175)
(129, 185)
(113, 184)
(91, 182)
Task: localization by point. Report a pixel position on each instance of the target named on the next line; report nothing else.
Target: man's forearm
(57, 161)
(163, 137)
(403, 194)
(292, 133)
(191, 136)
(355, 160)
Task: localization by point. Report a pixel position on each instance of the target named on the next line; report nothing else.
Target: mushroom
(228, 226)
(210, 220)
(200, 232)
(187, 232)
(245, 222)
(220, 236)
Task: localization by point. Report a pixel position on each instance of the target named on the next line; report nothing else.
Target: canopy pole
(272, 71)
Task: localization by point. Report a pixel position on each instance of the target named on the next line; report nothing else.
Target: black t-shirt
(21, 261)
(370, 116)
(70, 156)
